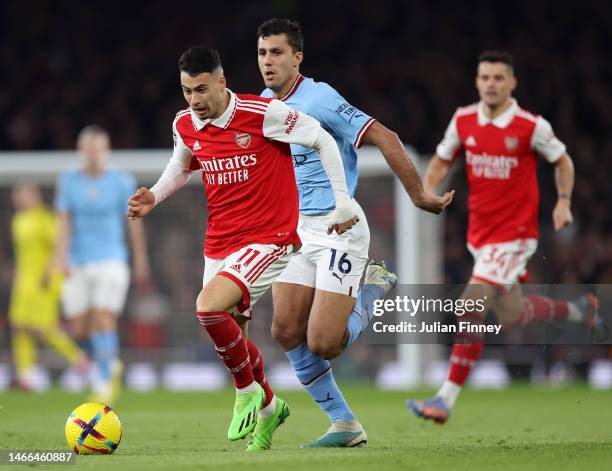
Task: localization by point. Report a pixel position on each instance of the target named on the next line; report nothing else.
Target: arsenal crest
(511, 143)
(243, 139)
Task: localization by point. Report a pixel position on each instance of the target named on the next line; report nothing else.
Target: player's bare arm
(437, 170)
(398, 159)
(175, 176)
(140, 260)
(564, 180)
(60, 257)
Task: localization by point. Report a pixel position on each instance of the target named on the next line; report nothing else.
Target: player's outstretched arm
(141, 272)
(564, 180)
(398, 159)
(174, 177)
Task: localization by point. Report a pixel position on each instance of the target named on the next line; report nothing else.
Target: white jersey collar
(501, 121)
(220, 122)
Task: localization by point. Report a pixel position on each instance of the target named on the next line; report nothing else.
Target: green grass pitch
(521, 428)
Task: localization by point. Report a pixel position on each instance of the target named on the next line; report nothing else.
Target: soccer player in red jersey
(241, 145)
(501, 142)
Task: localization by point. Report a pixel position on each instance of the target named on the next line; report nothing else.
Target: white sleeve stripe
(364, 129)
(252, 105)
(253, 102)
(252, 110)
(249, 107)
(246, 100)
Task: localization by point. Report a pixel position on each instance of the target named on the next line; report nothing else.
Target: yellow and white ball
(93, 429)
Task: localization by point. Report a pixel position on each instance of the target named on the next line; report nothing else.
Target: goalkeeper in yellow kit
(34, 305)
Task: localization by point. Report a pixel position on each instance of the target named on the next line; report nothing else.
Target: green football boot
(246, 408)
(262, 436)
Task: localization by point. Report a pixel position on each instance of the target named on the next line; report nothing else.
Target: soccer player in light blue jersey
(319, 309)
(91, 250)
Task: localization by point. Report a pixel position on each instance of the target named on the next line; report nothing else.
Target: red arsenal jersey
(247, 170)
(500, 160)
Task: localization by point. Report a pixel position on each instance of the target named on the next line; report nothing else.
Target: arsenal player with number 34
(501, 142)
(240, 143)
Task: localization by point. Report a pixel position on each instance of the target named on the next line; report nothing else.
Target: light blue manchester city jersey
(344, 122)
(97, 207)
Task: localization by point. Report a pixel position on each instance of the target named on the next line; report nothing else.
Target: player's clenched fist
(343, 218)
(562, 214)
(140, 203)
(341, 228)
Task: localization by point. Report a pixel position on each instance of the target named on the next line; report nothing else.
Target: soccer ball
(93, 429)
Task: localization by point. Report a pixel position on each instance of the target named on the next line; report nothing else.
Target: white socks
(449, 393)
(268, 410)
(573, 314)
(247, 389)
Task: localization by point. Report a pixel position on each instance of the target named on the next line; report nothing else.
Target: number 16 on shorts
(344, 264)
(344, 273)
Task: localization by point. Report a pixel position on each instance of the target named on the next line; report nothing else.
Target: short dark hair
(198, 60)
(497, 56)
(283, 26)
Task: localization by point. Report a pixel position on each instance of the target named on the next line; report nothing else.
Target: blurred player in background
(241, 144)
(501, 142)
(92, 251)
(319, 309)
(34, 305)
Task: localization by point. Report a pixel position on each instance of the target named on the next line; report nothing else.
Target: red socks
(229, 344)
(466, 351)
(462, 360)
(243, 359)
(541, 308)
(468, 347)
(257, 365)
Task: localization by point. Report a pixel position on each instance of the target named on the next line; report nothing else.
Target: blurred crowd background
(409, 64)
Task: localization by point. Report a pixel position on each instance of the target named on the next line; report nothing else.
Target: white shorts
(254, 268)
(96, 285)
(503, 264)
(330, 262)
